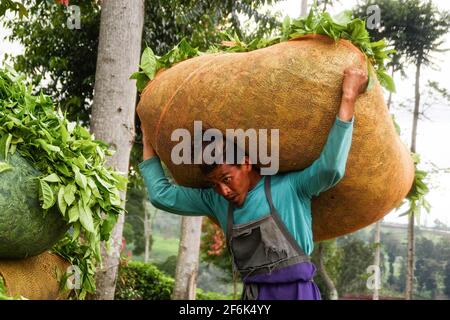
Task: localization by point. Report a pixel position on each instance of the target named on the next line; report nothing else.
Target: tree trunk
(114, 105)
(187, 264)
(147, 230)
(416, 109)
(304, 8)
(326, 278)
(377, 259)
(378, 224)
(410, 258)
(390, 92)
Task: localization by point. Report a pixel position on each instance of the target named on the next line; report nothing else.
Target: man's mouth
(232, 199)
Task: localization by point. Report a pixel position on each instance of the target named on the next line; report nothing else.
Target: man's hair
(221, 148)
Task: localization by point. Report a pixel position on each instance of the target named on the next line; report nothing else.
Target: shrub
(143, 281)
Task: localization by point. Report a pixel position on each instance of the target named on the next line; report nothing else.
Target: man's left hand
(355, 83)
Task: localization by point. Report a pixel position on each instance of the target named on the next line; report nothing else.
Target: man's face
(231, 181)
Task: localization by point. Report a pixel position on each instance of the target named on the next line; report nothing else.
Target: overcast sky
(433, 135)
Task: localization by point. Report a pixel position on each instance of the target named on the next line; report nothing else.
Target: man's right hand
(148, 151)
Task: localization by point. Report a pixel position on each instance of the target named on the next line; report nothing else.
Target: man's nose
(223, 189)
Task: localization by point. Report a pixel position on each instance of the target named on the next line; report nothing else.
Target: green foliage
(414, 27)
(74, 175)
(389, 29)
(14, 6)
(341, 26)
(202, 295)
(432, 252)
(140, 281)
(60, 61)
(447, 279)
(3, 293)
(332, 260)
(424, 28)
(136, 206)
(213, 249)
(168, 266)
(150, 63)
(416, 196)
(356, 257)
(167, 22)
(430, 265)
(163, 248)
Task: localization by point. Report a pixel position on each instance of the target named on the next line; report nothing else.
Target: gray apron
(261, 246)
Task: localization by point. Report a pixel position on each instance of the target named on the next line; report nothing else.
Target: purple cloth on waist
(294, 282)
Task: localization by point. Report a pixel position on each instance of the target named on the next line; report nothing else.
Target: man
(267, 220)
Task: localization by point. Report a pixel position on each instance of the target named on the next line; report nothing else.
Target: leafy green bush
(141, 281)
(168, 266)
(201, 295)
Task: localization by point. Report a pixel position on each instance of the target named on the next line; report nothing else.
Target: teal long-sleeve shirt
(291, 192)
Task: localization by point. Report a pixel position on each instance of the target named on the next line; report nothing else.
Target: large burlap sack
(35, 278)
(293, 86)
(25, 229)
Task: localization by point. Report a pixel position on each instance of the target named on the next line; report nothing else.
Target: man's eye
(227, 180)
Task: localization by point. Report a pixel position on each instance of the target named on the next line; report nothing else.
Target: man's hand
(148, 151)
(355, 83)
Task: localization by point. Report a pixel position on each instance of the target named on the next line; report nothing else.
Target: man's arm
(329, 168)
(169, 197)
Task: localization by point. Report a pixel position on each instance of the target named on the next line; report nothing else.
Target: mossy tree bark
(114, 106)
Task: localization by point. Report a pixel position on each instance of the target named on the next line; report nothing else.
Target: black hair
(221, 158)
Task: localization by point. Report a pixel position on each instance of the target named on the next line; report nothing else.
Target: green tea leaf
(148, 63)
(80, 179)
(86, 218)
(386, 80)
(76, 231)
(102, 182)
(74, 214)
(62, 205)
(7, 145)
(69, 194)
(141, 80)
(62, 168)
(46, 194)
(107, 226)
(52, 178)
(4, 167)
(93, 187)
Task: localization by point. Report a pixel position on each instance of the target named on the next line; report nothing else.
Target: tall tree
(424, 27)
(60, 61)
(415, 28)
(187, 265)
(388, 30)
(376, 262)
(303, 8)
(447, 279)
(113, 109)
(326, 254)
(353, 275)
